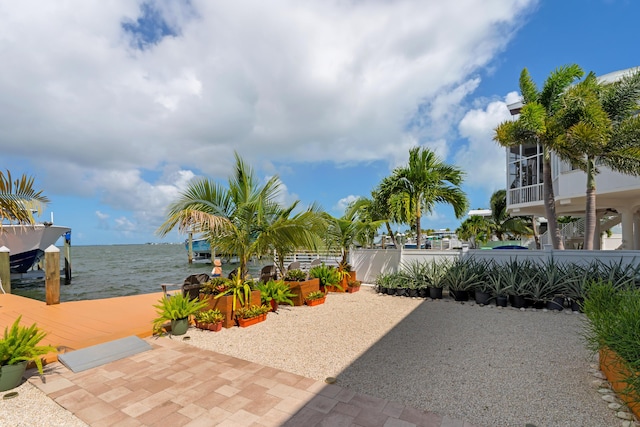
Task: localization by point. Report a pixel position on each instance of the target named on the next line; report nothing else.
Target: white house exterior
(617, 195)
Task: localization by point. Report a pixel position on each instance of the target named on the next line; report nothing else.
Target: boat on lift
(27, 243)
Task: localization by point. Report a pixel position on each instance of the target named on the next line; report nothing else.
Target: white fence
(369, 263)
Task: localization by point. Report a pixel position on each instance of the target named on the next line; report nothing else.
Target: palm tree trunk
(534, 227)
(590, 209)
(418, 231)
(393, 237)
(550, 203)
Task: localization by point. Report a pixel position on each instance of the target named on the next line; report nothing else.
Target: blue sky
(114, 106)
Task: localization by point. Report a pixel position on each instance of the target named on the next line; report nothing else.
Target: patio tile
(273, 417)
(371, 418)
(393, 409)
(394, 422)
(368, 402)
(305, 417)
(192, 411)
(95, 412)
(336, 420)
(347, 409)
(421, 418)
(322, 404)
(160, 414)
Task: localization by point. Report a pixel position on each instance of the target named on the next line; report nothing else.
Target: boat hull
(27, 243)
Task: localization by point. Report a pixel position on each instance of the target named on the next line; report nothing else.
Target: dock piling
(52, 275)
(67, 258)
(190, 249)
(5, 270)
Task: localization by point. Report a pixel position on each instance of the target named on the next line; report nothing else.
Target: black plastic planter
(459, 295)
(435, 293)
(423, 292)
(518, 301)
(501, 301)
(401, 292)
(482, 297)
(557, 303)
(412, 293)
(576, 305)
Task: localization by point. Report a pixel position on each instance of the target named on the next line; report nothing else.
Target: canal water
(119, 270)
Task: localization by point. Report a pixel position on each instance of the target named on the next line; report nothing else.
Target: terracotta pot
(225, 305)
(352, 289)
(274, 305)
(615, 370)
(243, 323)
(215, 327)
(318, 301)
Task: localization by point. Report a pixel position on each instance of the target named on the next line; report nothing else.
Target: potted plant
(414, 277)
(176, 309)
(275, 292)
(250, 315)
(210, 320)
(315, 298)
(346, 273)
(295, 275)
(18, 347)
(353, 286)
(482, 287)
(460, 277)
(435, 272)
(227, 296)
(328, 276)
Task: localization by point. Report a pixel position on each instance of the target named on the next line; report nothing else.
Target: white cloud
(482, 158)
(343, 203)
(279, 80)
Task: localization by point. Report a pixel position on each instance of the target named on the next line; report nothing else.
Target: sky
(114, 106)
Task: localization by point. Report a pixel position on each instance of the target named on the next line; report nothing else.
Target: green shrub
(20, 343)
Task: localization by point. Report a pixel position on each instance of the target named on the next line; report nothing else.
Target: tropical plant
(328, 275)
(240, 290)
(276, 291)
(364, 217)
(245, 218)
(501, 222)
(252, 311)
(215, 286)
(462, 275)
(175, 307)
(603, 129)
(475, 229)
(435, 272)
(425, 181)
(619, 274)
(315, 295)
(537, 125)
(20, 344)
(550, 281)
(414, 274)
(295, 275)
(209, 316)
(18, 198)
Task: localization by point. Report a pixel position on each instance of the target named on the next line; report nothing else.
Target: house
(618, 195)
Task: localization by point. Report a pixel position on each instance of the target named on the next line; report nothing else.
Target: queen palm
(425, 181)
(18, 198)
(537, 125)
(602, 129)
(244, 218)
(475, 229)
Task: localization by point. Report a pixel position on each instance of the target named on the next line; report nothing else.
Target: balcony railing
(528, 194)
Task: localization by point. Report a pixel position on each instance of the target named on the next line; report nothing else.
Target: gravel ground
(489, 366)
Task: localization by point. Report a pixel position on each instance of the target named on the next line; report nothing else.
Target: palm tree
(243, 219)
(475, 229)
(536, 125)
(603, 129)
(369, 216)
(425, 181)
(18, 198)
(502, 222)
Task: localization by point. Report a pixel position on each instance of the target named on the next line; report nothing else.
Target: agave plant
(462, 275)
(551, 280)
(435, 272)
(624, 276)
(414, 274)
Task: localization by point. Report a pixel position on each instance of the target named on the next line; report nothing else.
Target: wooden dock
(78, 324)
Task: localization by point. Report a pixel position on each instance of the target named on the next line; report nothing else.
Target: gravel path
(489, 366)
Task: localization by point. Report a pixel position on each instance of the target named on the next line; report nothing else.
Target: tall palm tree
(244, 218)
(603, 129)
(536, 125)
(425, 181)
(502, 222)
(18, 198)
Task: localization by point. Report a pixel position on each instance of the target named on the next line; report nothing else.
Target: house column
(627, 228)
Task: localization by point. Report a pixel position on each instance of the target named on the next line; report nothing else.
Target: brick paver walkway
(180, 385)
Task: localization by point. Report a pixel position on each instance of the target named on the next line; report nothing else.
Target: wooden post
(67, 258)
(190, 249)
(5, 270)
(52, 275)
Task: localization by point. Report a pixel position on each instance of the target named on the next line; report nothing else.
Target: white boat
(27, 243)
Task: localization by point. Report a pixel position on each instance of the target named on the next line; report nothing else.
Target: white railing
(528, 194)
(305, 258)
